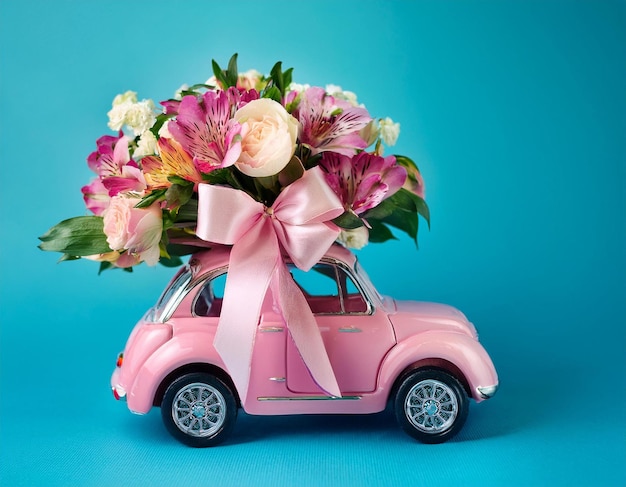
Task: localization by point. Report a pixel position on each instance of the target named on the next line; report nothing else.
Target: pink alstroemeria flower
(363, 181)
(330, 124)
(205, 129)
(116, 171)
(96, 197)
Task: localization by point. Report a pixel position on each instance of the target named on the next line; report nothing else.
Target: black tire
(199, 410)
(431, 405)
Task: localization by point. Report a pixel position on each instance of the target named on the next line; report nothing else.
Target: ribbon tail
(253, 260)
(305, 332)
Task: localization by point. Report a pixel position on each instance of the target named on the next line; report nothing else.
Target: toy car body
(425, 357)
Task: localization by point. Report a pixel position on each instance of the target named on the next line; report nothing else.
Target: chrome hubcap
(199, 410)
(431, 406)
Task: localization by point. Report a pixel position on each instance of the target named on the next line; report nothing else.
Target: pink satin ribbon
(299, 223)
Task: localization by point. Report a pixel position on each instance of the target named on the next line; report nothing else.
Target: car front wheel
(431, 405)
(199, 410)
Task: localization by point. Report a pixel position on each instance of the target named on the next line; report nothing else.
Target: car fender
(464, 352)
(181, 350)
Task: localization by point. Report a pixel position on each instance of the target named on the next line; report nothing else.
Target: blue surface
(516, 114)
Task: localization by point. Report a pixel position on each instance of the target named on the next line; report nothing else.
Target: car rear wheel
(199, 410)
(431, 405)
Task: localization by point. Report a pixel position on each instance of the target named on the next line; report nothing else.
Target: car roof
(217, 256)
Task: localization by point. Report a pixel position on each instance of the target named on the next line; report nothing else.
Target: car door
(356, 335)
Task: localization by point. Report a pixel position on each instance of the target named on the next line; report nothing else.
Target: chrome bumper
(487, 392)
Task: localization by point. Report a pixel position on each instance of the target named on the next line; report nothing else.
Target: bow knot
(299, 223)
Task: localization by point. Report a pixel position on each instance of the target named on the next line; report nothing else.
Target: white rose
(356, 238)
(146, 146)
(389, 131)
(268, 137)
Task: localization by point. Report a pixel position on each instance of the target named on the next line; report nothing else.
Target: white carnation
(146, 146)
(126, 110)
(298, 87)
(128, 97)
(117, 115)
(356, 238)
(389, 131)
(337, 92)
(140, 116)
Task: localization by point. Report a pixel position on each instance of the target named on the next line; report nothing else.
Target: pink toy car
(424, 357)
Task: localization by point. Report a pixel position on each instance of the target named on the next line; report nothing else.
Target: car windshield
(169, 298)
(366, 282)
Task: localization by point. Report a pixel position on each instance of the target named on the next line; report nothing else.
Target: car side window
(210, 297)
(353, 300)
(329, 290)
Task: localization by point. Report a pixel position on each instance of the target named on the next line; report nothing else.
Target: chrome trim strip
(271, 329)
(278, 379)
(487, 392)
(308, 398)
(350, 329)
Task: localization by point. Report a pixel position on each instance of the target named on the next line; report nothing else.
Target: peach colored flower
(268, 137)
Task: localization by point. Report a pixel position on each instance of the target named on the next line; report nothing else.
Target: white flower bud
(389, 131)
(356, 238)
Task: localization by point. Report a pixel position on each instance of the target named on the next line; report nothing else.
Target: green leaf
(273, 93)
(384, 208)
(160, 120)
(232, 74)
(403, 199)
(422, 209)
(379, 232)
(220, 176)
(227, 77)
(276, 73)
(79, 236)
(409, 201)
(287, 76)
(407, 162)
(188, 212)
(155, 195)
(178, 180)
(65, 257)
(172, 261)
(293, 171)
(279, 79)
(107, 265)
(348, 221)
(178, 194)
(219, 74)
(405, 221)
(199, 86)
(419, 204)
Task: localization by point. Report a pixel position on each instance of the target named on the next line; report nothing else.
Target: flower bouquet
(164, 182)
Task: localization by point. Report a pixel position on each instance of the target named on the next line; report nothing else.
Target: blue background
(516, 114)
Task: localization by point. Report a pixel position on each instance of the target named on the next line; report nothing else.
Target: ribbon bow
(299, 222)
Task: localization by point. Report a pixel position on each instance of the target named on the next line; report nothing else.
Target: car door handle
(350, 329)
